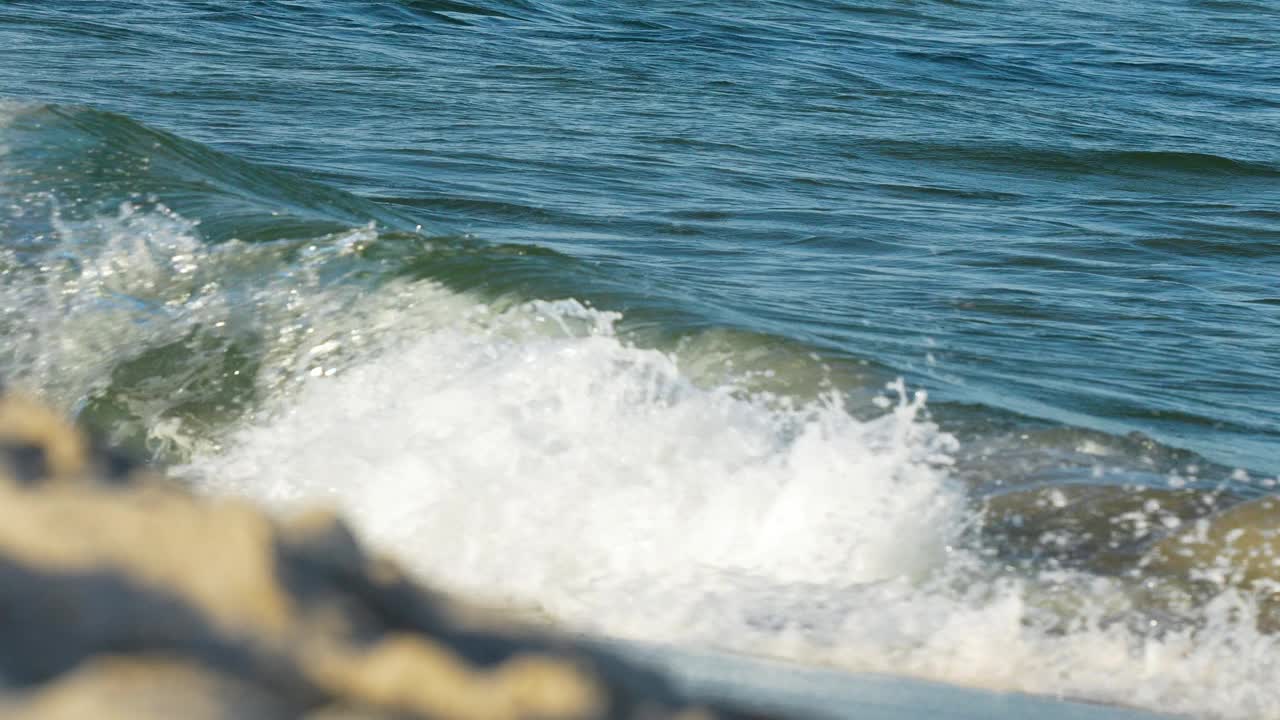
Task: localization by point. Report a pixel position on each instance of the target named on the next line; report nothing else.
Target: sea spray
(541, 429)
(159, 338)
(535, 458)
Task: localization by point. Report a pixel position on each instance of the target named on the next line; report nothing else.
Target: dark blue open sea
(938, 338)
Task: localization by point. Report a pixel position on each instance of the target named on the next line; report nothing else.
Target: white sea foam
(534, 457)
(538, 429)
(81, 298)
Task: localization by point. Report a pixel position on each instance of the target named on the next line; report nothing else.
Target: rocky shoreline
(122, 594)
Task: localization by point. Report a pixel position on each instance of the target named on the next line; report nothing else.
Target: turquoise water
(659, 261)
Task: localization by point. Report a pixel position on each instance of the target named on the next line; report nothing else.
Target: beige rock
(146, 688)
(123, 595)
(39, 442)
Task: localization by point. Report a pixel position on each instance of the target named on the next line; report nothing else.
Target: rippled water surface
(658, 260)
(1071, 212)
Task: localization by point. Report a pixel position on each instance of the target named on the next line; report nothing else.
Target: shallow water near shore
(792, 689)
(932, 339)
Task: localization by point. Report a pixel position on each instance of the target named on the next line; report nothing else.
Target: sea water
(933, 339)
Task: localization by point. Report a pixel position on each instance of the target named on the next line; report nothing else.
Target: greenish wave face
(627, 315)
(156, 318)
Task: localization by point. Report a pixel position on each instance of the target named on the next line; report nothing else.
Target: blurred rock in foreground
(123, 595)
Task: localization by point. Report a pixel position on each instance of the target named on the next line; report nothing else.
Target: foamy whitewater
(532, 457)
(528, 454)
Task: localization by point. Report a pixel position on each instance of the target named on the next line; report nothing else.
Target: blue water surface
(1067, 211)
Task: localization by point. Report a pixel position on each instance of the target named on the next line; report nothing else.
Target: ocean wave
(92, 160)
(651, 474)
(534, 456)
